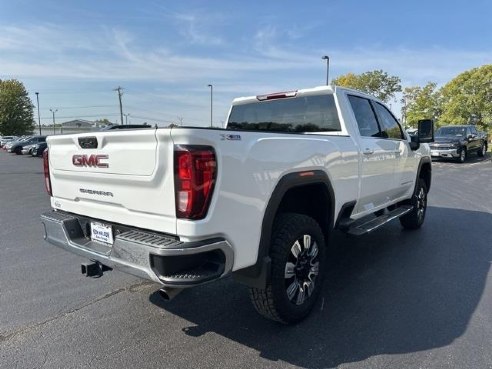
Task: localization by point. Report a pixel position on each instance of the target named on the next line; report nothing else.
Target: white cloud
(118, 56)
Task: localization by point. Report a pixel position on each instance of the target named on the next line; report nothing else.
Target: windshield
(451, 132)
(300, 114)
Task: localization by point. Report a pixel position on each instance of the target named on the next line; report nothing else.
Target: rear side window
(364, 115)
(299, 114)
(390, 126)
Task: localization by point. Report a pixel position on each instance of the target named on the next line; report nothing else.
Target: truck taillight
(46, 165)
(195, 171)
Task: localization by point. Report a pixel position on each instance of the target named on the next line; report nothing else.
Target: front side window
(389, 125)
(298, 114)
(364, 115)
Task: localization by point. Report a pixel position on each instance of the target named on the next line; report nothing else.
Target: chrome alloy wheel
(421, 203)
(301, 269)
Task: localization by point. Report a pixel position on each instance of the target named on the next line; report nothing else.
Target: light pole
(39, 118)
(327, 58)
(53, 111)
(211, 103)
(126, 118)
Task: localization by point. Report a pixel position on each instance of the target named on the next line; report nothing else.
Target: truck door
(404, 176)
(474, 142)
(377, 157)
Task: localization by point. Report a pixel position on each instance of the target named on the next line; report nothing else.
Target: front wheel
(483, 150)
(462, 157)
(415, 218)
(298, 264)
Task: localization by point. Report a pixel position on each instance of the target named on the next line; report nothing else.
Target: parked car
(39, 148)
(19, 145)
(9, 144)
(457, 142)
(6, 139)
(26, 150)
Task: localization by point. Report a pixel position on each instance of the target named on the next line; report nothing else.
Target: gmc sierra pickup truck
(258, 199)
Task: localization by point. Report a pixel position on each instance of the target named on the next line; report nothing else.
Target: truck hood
(447, 140)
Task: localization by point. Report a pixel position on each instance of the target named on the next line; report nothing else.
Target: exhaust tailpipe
(169, 293)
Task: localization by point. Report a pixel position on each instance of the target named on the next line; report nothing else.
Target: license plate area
(102, 233)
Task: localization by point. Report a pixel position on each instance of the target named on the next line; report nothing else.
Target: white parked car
(6, 139)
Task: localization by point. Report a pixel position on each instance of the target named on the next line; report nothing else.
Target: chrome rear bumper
(155, 256)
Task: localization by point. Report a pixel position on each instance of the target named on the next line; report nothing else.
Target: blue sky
(165, 53)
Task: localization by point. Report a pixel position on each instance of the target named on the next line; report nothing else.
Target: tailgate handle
(88, 142)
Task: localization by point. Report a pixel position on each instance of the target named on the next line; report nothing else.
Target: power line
(87, 107)
(84, 116)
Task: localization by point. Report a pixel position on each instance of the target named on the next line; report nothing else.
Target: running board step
(375, 223)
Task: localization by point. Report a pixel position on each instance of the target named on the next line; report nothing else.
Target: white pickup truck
(259, 199)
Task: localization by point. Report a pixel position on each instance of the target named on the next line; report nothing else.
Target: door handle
(368, 152)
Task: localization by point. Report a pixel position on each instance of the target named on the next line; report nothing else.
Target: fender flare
(424, 160)
(257, 275)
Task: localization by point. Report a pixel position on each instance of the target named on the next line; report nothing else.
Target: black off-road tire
(283, 300)
(415, 218)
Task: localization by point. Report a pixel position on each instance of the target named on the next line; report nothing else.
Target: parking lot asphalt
(392, 299)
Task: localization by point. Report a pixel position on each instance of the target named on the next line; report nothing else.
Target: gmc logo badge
(90, 161)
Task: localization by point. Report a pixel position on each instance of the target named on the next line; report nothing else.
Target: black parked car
(17, 147)
(39, 149)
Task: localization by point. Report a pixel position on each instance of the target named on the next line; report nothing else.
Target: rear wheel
(18, 151)
(298, 266)
(415, 218)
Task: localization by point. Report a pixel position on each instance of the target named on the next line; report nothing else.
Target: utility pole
(211, 103)
(327, 58)
(126, 118)
(121, 106)
(39, 118)
(54, 111)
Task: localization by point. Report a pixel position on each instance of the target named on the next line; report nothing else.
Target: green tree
(16, 109)
(468, 97)
(420, 103)
(376, 83)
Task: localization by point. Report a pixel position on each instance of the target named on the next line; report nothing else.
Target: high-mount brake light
(195, 172)
(277, 95)
(46, 166)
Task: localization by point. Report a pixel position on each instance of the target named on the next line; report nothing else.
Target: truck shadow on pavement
(389, 292)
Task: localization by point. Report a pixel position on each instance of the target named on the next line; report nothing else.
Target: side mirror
(425, 132)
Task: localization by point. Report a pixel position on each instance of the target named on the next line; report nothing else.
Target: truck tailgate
(127, 177)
